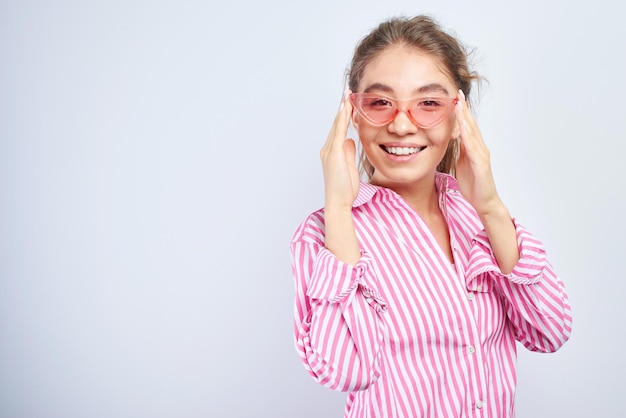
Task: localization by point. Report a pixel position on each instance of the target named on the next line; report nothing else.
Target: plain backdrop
(156, 157)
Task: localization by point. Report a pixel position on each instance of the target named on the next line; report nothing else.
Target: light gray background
(155, 158)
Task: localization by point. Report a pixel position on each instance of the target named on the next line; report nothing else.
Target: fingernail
(346, 93)
(462, 94)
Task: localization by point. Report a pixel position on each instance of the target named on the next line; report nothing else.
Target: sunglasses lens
(428, 112)
(376, 109)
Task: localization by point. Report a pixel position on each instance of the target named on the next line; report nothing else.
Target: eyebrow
(428, 88)
(432, 87)
(378, 87)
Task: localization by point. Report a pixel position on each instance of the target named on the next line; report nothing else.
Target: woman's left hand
(475, 179)
(473, 169)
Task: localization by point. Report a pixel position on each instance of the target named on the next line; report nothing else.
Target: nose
(402, 124)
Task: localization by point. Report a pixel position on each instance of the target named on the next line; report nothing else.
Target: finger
(468, 126)
(339, 128)
(462, 113)
(462, 151)
(342, 121)
(349, 148)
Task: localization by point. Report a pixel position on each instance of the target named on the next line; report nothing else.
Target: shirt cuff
(483, 264)
(334, 281)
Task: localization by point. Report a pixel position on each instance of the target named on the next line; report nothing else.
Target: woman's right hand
(341, 185)
(341, 177)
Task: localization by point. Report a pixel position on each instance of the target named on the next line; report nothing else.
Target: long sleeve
(338, 325)
(535, 298)
(443, 340)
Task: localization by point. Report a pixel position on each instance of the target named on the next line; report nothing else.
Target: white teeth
(402, 150)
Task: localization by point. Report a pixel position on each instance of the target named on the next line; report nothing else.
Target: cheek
(367, 133)
(443, 133)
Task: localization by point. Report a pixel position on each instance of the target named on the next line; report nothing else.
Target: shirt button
(470, 296)
(479, 404)
(479, 288)
(471, 350)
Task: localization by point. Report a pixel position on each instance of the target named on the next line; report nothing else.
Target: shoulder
(312, 227)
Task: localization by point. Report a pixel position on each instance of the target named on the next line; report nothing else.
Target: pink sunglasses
(425, 112)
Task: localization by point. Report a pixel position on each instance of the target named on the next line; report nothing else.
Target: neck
(421, 196)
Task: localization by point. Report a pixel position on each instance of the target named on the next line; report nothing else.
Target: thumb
(349, 148)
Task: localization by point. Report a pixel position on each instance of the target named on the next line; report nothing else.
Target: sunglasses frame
(400, 106)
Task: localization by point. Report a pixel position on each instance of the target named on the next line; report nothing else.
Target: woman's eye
(380, 103)
(430, 104)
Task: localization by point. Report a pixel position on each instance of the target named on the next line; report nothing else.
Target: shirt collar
(443, 183)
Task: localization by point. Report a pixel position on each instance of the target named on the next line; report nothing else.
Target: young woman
(413, 288)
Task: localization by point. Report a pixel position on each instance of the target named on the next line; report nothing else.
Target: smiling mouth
(402, 150)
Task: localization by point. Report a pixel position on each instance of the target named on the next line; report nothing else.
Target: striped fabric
(406, 333)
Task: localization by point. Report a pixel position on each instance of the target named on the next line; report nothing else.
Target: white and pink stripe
(408, 334)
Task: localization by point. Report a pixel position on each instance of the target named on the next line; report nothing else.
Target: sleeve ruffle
(483, 266)
(335, 281)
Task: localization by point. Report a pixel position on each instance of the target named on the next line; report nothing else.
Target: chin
(404, 176)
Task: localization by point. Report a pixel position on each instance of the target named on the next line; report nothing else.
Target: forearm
(540, 312)
(502, 236)
(338, 324)
(535, 298)
(341, 345)
(340, 236)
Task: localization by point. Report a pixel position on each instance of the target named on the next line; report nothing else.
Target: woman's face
(401, 152)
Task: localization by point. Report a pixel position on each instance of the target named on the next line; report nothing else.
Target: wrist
(496, 217)
(340, 235)
(493, 210)
(337, 209)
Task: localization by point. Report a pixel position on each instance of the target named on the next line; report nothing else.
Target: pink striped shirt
(408, 334)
